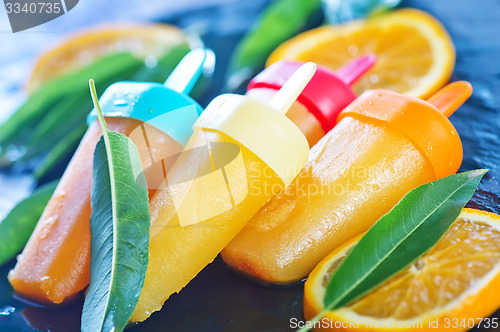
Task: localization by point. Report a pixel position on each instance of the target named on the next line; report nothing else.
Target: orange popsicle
(55, 262)
(54, 265)
(384, 145)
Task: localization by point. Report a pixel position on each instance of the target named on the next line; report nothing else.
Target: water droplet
(46, 227)
(151, 61)
(352, 50)
(14, 153)
(6, 311)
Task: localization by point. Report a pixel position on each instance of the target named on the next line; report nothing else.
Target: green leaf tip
(95, 100)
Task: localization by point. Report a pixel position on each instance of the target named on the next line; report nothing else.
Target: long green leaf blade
(43, 101)
(119, 227)
(17, 226)
(60, 154)
(51, 113)
(411, 228)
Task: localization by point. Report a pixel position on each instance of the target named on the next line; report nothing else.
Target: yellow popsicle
(242, 152)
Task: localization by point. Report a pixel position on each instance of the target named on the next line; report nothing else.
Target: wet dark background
(218, 299)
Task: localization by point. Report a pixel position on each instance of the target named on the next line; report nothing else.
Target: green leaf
(119, 227)
(279, 22)
(411, 228)
(60, 154)
(16, 228)
(55, 126)
(164, 66)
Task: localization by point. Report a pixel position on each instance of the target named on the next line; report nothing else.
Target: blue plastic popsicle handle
(164, 106)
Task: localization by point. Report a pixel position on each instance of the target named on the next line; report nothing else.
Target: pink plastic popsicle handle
(354, 69)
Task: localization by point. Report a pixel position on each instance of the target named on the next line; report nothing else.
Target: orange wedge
(85, 46)
(415, 54)
(454, 286)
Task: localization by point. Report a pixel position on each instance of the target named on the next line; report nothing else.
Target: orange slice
(452, 286)
(415, 54)
(85, 46)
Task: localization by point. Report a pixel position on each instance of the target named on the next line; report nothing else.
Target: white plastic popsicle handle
(187, 72)
(290, 91)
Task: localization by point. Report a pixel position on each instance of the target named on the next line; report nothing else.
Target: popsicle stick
(289, 92)
(187, 72)
(354, 69)
(451, 97)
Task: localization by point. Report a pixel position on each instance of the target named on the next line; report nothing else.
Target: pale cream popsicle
(316, 109)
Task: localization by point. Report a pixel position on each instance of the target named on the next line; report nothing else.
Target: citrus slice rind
(415, 54)
(452, 285)
(81, 48)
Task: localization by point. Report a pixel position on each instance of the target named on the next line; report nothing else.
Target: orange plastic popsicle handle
(421, 122)
(449, 98)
